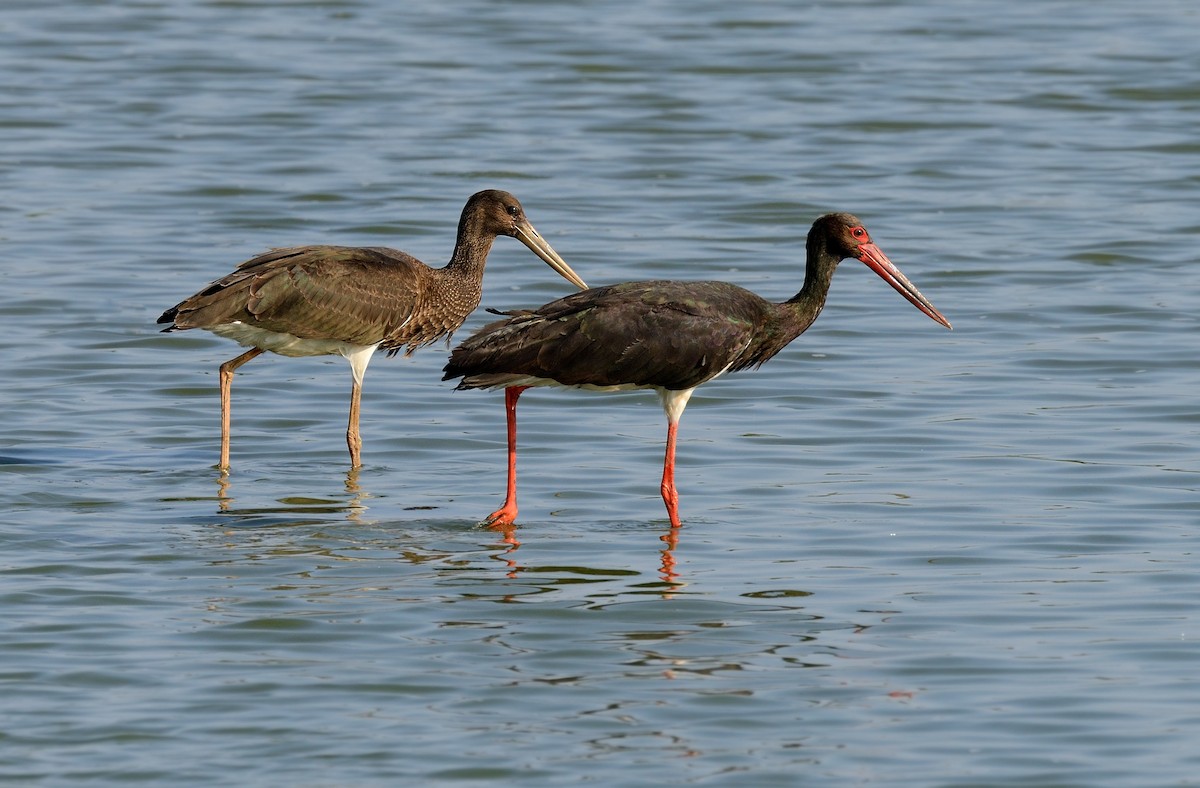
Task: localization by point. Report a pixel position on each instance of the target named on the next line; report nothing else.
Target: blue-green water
(909, 556)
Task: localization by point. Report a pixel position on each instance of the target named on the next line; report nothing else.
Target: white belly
(286, 344)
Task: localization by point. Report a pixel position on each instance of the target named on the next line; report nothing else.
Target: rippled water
(909, 556)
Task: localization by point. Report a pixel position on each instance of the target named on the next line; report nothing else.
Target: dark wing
(353, 294)
(674, 335)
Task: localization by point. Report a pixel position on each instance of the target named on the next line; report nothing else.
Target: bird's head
(837, 236)
(493, 212)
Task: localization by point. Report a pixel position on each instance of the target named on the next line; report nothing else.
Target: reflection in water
(421, 543)
(353, 506)
(670, 582)
(223, 497)
(508, 535)
(667, 571)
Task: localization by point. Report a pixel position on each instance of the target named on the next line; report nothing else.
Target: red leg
(507, 514)
(227, 370)
(669, 494)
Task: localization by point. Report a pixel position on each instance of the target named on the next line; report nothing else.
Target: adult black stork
(352, 301)
(662, 335)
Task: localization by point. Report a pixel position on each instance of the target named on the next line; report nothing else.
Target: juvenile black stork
(662, 335)
(352, 301)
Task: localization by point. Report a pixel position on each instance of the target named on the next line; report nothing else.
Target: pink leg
(353, 438)
(227, 370)
(507, 514)
(669, 494)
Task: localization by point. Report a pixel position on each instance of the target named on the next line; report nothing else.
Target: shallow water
(909, 556)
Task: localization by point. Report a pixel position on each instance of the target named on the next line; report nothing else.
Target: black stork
(663, 335)
(352, 301)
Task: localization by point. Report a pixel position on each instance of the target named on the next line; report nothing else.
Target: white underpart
(501, 380)
(674, 401)
(358, 356)
(294, 346)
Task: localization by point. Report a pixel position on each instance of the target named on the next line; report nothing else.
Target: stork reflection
(353, 506)
(668, 573)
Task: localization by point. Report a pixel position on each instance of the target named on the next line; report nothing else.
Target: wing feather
(673, 335)
(361, 295)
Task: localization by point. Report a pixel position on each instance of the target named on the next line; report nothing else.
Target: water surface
(909, 557)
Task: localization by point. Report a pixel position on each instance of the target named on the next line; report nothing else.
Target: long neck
(455, 290)
(793, 317)
(471, 247)
(462, 278)
(803, 308)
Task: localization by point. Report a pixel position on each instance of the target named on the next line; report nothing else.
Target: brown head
(492, 212)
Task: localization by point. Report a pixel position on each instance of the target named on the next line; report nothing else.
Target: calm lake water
(909, 556)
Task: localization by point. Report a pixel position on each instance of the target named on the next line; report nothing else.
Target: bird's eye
(513, 210)
(859, 232)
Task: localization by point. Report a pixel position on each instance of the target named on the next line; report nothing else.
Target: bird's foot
(504, 516)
